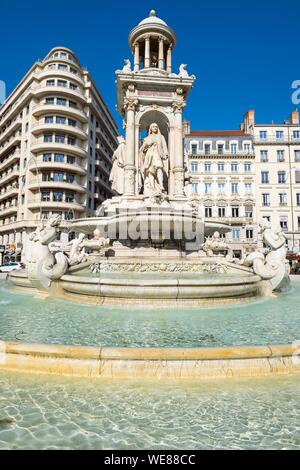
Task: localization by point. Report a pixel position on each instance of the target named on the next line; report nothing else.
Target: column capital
(178, 106)
(130, 103)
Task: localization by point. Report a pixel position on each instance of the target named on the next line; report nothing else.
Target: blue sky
(244, 54)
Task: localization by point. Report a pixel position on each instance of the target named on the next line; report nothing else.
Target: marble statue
(154, 161)
(117, 172)
(215, 245)
(182, 71)
(273, 266)
(77, 254)
(127, 66)
(49, 265)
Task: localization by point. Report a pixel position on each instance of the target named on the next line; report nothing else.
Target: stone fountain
(150, 243)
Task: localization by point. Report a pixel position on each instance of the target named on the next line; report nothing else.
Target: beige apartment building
(277, 164)
(221, 167)
(57, 138)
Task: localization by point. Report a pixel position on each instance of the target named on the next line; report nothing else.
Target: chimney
(294, 117)
(249, 121)
(186, 127)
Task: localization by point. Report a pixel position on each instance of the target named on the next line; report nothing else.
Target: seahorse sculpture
(274, 266)
(49, 265)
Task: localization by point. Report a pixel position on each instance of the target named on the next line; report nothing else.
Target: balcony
(13, 141)
(105, 139)
(55, 127)
(54, 73)
(104, 154)
(100, 164)
(38, 165)
(272, 140)
(233, 220)
(59, 90)
(9, 209)
(10, 175)
(9, 193)
(10, 160)
(41, 146)
(103, 184)
(44, 108)
(15, 124)
(38, 204)
(38, 183)
(226, 154)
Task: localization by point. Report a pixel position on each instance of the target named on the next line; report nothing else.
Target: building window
(298, 223)
(207, 149)
(45, 215)
(49, 100)
(297, 176)
(194, 167)
(71, 160)
(50, 83)
(195, 188)
(59, 138)
(72, 122)
(264, 156)
(280, 156)
(69, 215)
(266, 200)
(263, 135)
(281, 177)
(221, 167)
(58, 177)
(70, 178)
(279, 135)
(297, 155)
(72, 104)
(62, 83)
(248, 167)
(221, 188)
(283, 199)
(234, 167)
(265, 177)
(284, 223)
(61, 102)
(48, 138)
(45, 197)
(207, 167)
(60, 120)
(194, 149)
(234, 188)
(248, 213)
(62, 67)
(46, 177)
(249, 234)
(296, 135)
(73, 86)
(220, 149)
(247, 148)
(49, 120)
(70, 197)
(207, 188)
(221, 211)
(71, 140)
(59, 157)
(47, 157)
(236, 234)
(208, 212)
(235, 211)
(298, 199)
(57, 196)
(248, 188)
(233, 148)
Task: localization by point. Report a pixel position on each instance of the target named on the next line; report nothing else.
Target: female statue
(117, 172)
(154, 161)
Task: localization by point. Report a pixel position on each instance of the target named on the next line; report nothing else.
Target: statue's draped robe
(154, 156)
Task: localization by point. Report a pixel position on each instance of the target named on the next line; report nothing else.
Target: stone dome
(152, 19)
(152, 25)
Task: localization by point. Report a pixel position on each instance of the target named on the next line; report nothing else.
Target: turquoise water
(61, 413)
(53, 321)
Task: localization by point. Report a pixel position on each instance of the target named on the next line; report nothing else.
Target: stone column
(136, 57)
(169, 59)
(178, 169)
(161, 53)
(130, 170)
(147, 52)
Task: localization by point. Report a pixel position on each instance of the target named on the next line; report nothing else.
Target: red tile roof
(217, 134)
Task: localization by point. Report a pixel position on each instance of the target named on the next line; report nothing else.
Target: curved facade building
(57, 138)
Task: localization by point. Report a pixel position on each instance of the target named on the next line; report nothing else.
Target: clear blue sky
(244, 54)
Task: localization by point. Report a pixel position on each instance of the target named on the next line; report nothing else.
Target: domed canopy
(152, 18)
(152, 25)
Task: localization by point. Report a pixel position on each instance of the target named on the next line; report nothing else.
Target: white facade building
(221, 167)
(57, 138)
(277, 165)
